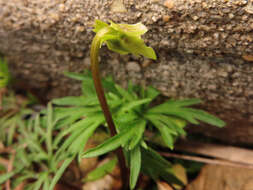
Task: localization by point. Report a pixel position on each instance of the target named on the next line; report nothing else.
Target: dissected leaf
(165, 132)
(175, 108)
(79, 143)
(112, 143)
(137, 137)
(133, 104)
(124, 93)
(101, 171)
(156, 166)
(207, 118)
(135, 166)
(4, 73)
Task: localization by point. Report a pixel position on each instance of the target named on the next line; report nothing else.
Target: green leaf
(171, 105)
(77, 76)
(133, 104)
(40, 180)
(46, 184)
(191, 115)
(69, 141)
(101, 171)
(140, 129)
(4, 73)
(124, 93)
(76, 128)
(88, 88)
(128, 117)
(49, 128)
(5, 177)
(165, 132)
(206, 117)
(112, 143)
(151, 92)
(185, 102)
(175, 124)
(78, 144)
(59, 172)
(174, 110)
(156, 166)
(135, 166)
(70, 101)
(99, 25)
(87, 82)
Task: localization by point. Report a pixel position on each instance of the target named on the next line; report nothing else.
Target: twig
(207, 160)
(6, 150)
(222, 152)
(4, 162)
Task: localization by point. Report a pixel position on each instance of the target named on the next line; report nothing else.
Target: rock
(203, 47)
(118, 6)
(133, 66)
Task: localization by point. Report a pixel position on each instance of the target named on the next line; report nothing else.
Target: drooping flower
(124, 38)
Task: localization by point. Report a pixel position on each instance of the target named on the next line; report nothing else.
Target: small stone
(118, 6)
(62, 7)
(87, 61)
(154, 18)
(146, 63)
(80, 29)
(251, 26)
(166, 18)
(248, 57)
(249, 7)
(212, 87)
(222, 73)
(244, 17)
(133, 66)
(231, 15)
(195, 17)
(169, 4)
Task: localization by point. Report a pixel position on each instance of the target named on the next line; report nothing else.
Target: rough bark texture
(204, 47)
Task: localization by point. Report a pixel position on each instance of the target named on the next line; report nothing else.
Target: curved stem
(95, 46)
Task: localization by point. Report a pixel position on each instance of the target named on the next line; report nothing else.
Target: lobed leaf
(165, 132)
(206, 117)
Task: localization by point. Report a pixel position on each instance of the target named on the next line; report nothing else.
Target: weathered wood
(204, 47)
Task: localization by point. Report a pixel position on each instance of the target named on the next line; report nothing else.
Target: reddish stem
(101, 97)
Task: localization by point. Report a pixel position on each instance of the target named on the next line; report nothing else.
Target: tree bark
(204, 47)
